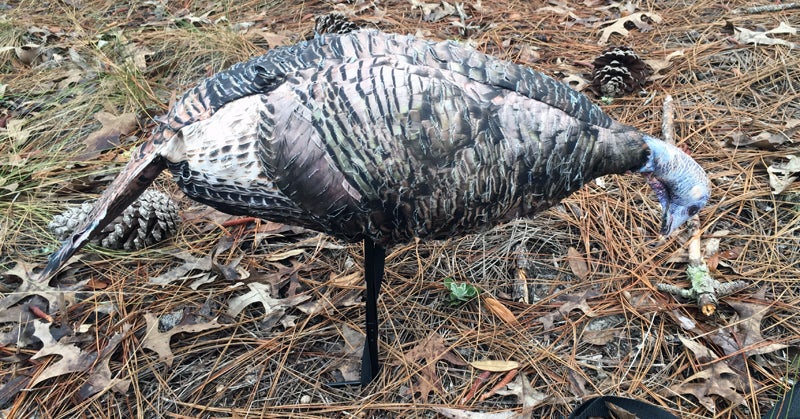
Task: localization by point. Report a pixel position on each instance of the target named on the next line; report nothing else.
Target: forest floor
(236, 319)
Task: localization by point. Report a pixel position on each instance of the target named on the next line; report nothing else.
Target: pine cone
(618, 71)
(152, 218)
(335, 23)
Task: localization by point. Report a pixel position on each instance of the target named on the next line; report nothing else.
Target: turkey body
(383, 138)
(369, 135)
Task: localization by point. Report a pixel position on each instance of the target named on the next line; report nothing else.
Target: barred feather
(390, 137)
(367, 135)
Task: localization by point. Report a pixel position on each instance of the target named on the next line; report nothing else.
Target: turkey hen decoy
(383, 138)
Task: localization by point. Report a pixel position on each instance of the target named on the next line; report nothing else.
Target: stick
(668, 120)
(767, 8)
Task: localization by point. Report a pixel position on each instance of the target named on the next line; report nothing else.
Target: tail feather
(141, 171)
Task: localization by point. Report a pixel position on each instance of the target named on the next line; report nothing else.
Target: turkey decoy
(381, 138)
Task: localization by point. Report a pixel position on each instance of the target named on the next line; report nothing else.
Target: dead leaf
(231, 271)
(350, 362)
(433, 12)
(275, 257)
(113, 127)
(15, 130)
(158, 341)
(599, 337)
(275, 40)
(191, 263)
(494, 365)
(452, 413)
(577, 263)
(618, 25)
(783, 174)
(31, 285)
(620, 413)
(577, 383)
(763, 141)
(572, 302)
(260, 293)
(138, 55)
(72, 76)
(746, 331)
(659, 65)
(746, 36)
(526, 395)
(716, 379)
(430, 350)
(101, 377)
(500, 310)
(73, 359)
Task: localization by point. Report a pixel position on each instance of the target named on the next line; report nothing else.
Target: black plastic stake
(373, 274)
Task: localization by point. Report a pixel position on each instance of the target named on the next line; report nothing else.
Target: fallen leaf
(31, 285)
(158, 341)
(260, 293)
(231, 271)
(715, 379)
(73, 359)
(275, 40)
(572, 302)
(113, 127)
(72, 76)
(745, 332)
(746, 36)
(15, 130)
(526, 395)
(349, 363)
(12, 387)
(783, 174)
(275, 257)
(599, 337)
(577, 383)
(101, 376)
(577, 263)
(494, 365)
(763, 141)
(433, 12)
(618, 25)
(138, 55)
(500, 310)
(191, 263)
(430, 350)
(659, 65)
(452, 413)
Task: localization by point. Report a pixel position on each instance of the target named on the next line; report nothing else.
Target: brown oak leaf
(717, 378)
(113, 126)
(101, 376)
(431, 350)
(73, 359)
(158, 341)
(572, 302)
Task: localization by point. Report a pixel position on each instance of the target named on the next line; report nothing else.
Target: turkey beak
(667, 223)
(144, 167)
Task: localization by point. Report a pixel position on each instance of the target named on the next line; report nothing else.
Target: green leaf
(460, 292)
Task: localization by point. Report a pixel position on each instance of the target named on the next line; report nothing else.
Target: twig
(668, 120)
(478, 382)
(40, 314)
(520, 289)
(767, 8)
(504, 382)
(239, 221)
